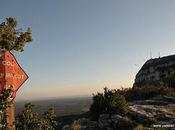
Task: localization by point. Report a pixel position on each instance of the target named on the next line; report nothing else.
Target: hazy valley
(62, 106)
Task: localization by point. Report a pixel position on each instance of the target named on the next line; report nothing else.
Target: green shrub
(29, 120)
(146, 92)
(110, 102)
(4, 104)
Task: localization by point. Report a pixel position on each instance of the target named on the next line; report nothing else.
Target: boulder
(148, 114)
(104, 120)
(83, 124)
(115, 118)
(66, 127)
(125, 123)
(115, 122)
(86, 124)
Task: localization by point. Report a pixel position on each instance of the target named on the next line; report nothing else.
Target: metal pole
(11, 116)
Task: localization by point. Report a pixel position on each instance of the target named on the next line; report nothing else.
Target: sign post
(11, 75)
(11, 116)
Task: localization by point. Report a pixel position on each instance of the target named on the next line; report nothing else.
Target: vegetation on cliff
(110, 101)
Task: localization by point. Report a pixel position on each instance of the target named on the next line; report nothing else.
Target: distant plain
(62, 106)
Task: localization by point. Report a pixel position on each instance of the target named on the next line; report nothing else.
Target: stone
(115, 118)
(66, 127)
(104, 120)
(151, 114)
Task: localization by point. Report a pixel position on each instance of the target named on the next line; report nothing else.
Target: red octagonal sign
(11, 74)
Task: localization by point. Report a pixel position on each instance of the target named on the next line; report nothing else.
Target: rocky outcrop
(167, 99)
(82, 124)
(156, 70)
(150, 114)
(66, 127)
(105, 122)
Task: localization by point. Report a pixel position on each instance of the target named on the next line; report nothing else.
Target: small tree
(110, 102)
(147, 91)
(12, 38)
(30, 120)
(50, 116)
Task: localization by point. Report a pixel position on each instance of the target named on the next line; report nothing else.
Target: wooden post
(11, 116)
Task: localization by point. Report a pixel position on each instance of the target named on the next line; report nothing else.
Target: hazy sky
(81, 46)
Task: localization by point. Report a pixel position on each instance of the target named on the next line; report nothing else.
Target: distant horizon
(54, 98)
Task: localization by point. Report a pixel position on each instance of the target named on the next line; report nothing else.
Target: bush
(76, 126)
(146, 92)
(29, 120)
(4, 104)
(110, 102)
(139, 127)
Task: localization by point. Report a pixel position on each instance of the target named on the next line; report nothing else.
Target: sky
(81, 46)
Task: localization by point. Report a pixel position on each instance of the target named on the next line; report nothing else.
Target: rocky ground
(157, 113)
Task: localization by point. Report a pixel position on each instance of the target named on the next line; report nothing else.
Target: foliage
(139, 127)
(12, 38)
(146, 92)
(4, 104)
(29, 120)
(76, 126)
(110, 102)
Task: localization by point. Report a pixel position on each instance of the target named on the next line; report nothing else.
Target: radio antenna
(150, 55)
(159, 54)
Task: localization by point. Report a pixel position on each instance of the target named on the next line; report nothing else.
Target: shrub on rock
(110, 102)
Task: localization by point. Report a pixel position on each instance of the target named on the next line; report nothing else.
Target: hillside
(156, 70)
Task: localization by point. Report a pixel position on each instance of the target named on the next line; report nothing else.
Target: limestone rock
(104, 120)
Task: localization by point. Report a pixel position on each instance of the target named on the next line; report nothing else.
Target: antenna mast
(159, 54)
(150, 55)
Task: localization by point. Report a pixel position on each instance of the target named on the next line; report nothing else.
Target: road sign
(11, 74)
